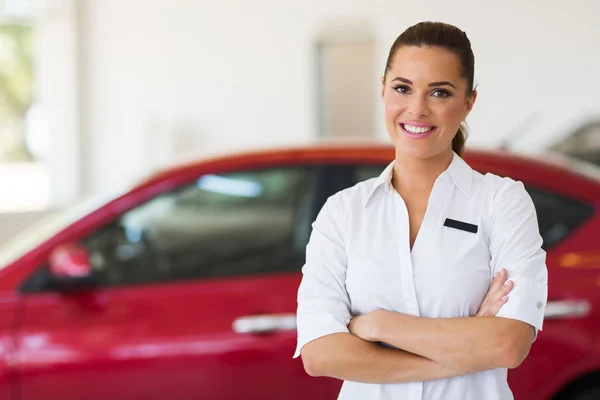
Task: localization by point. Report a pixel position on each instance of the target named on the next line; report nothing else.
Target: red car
(185, 286)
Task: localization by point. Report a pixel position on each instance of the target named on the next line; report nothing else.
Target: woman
(403, 293)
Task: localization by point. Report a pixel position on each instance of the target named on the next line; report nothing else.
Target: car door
(196, 297)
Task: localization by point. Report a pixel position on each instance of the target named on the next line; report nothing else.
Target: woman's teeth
(417, 129)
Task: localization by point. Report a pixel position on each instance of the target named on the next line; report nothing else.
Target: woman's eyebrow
(441, 83)
(398, 78)
(432, 84)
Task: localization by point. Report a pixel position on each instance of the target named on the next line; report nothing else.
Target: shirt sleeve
(516, 245)
(323, 303)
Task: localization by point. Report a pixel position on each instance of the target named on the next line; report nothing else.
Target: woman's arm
(469, 344)
(447, 345)
(345, 356)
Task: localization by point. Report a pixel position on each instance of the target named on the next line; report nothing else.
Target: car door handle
(560, 309)
(265, 323)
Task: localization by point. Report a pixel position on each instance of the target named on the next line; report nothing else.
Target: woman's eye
(402, 89)
(442, 93)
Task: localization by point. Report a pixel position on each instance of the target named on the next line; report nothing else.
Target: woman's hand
(366, 326)
(496, 296)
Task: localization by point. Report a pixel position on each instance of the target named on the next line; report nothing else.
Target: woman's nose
(418, 106)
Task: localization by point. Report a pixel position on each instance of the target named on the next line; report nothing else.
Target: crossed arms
(427, 348)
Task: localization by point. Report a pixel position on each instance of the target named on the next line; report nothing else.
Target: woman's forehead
(425, 63)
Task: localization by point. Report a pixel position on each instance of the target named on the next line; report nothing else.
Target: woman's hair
(449, 37)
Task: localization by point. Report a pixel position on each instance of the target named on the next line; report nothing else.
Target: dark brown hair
(449, 37)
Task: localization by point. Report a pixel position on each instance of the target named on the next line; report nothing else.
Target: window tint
(558, 215)
(221, 225)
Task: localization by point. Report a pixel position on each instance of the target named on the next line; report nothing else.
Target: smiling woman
(428, 88)
(425, 258)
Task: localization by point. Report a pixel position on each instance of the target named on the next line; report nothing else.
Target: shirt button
(539, 305)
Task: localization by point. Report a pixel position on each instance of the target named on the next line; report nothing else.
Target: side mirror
(70, 267)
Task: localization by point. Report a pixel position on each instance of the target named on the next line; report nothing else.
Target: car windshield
(49, 226)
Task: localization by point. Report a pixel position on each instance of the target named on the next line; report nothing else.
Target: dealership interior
(183, 184)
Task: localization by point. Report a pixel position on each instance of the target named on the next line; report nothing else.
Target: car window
(226, 225)
(236, 224)
(558, 215)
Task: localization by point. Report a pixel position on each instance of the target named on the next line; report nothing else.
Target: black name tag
(461, 226)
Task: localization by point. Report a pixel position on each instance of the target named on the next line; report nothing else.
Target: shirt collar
(384, 179)
(459, 171)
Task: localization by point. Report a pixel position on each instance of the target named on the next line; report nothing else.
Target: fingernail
(504, 298)
(496, 274)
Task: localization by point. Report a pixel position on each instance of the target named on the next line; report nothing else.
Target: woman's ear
(382, 86)
(470, 103)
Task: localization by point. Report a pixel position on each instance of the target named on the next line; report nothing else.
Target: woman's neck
(413, 176)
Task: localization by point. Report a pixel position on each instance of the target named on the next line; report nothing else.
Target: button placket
(406, 268)
(408, 292)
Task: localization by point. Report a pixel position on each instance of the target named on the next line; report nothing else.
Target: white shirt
(358, 259)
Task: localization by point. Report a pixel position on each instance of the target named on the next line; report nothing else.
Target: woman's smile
(417, 130)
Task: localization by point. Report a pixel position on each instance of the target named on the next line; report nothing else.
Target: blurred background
(181, 287)
(95, 94)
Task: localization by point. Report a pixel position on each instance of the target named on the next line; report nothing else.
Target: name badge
(461, 226)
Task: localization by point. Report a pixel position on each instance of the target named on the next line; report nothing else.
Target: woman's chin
(420, 151)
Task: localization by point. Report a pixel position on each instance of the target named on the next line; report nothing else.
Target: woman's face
(425, 101)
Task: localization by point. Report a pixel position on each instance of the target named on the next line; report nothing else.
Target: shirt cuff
(526, 302)
(316, 326)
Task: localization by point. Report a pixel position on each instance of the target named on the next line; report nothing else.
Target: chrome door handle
(560, 309)
(265, 323)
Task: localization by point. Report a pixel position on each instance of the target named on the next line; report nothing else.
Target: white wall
(13, 223)
(163, 79)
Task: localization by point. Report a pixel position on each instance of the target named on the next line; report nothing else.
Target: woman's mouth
(417, 132)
